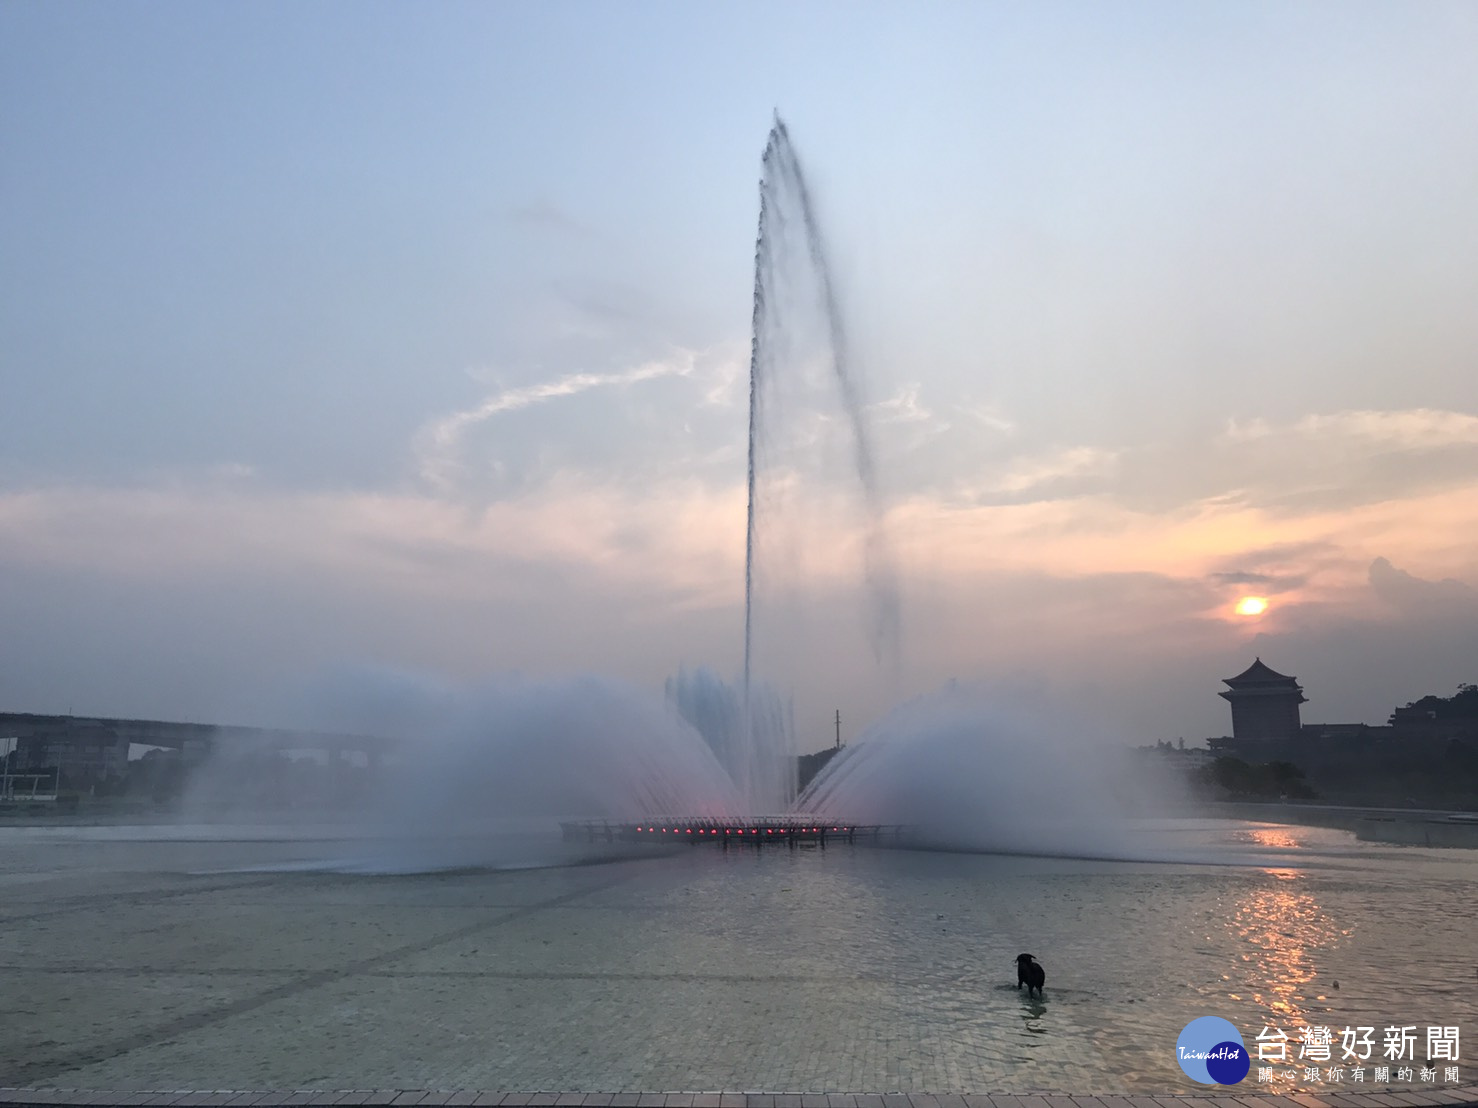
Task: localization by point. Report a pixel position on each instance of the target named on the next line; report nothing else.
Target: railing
(742, 831)
(12, 788)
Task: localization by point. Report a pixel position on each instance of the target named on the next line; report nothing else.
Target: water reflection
(1278, 837)
(1287, 928)
(1032, 1012)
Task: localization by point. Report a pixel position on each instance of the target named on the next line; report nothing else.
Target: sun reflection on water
(1286, 930)
(1280, 838)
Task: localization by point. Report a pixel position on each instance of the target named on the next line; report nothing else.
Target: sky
(414, 338)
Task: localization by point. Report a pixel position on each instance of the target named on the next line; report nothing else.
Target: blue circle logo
(1210, 1050)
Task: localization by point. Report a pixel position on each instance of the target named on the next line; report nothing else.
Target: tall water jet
(756, 327)
(793, 285)
(786, 205)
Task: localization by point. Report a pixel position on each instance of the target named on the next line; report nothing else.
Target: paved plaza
(657, 974)
(424, 1098)
(234, 965)
(404, 1098)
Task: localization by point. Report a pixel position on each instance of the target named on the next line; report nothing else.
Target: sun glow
(1252, 606)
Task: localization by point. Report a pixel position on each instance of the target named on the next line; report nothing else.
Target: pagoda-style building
(1264, 704)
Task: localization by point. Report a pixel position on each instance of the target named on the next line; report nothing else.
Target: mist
(980, 769)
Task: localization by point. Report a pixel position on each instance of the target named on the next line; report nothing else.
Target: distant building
(1440, 719)
(1264, 704)
(809, 765)
(1178, 754)
(1426, 755)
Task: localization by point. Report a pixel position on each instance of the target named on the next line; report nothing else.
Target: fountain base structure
(758, 831)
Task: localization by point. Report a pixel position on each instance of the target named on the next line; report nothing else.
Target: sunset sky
(415, 337)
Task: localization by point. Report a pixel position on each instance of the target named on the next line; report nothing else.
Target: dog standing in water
(1030, 973)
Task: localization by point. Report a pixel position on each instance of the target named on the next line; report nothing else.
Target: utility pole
(839, 729)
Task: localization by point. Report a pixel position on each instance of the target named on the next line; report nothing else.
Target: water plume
(793, 272)
(975, 769)
(749, 732)
(482, 774)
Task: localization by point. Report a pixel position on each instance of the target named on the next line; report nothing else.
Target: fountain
(965, 768)
(501, 762)
(789, 239)
(747, 727)
(495, 763)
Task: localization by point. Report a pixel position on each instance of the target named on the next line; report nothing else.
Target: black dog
(1030, 973)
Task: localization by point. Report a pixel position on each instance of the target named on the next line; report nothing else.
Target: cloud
(1392, 638)
(1064, 559)
(989, 417)
(1337, 460)
(1052, 475)
(729, 381)
(1410, 429)
(438, 441)
(585, 573)
(1267, 582)
(1275, 570)
(908, 424)
(1406, 591)
(250, 580)
(547, 216)
(1317, 463)
(902, 407)
(513, 399)
(1243, 578)
(680, 536)
(601, 304)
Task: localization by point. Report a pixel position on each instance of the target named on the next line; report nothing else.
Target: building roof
(1259, 674)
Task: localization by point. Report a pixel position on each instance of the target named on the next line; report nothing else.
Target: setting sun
(1252, 606)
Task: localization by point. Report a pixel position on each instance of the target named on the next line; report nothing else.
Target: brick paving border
(1458, 1096)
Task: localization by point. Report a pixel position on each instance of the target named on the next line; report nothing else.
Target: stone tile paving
(696, 971)
(1456, 1097)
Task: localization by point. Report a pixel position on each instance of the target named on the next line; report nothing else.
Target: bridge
(97, 747)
